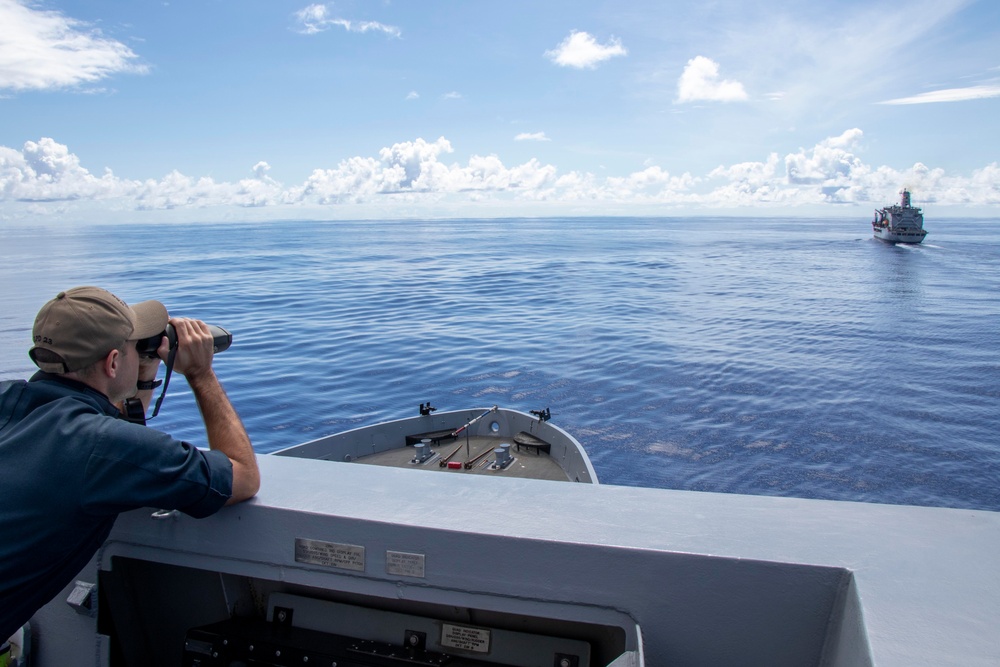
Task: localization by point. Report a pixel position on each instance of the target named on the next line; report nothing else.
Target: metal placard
(404, 564)
(465, 638)
(330, 554)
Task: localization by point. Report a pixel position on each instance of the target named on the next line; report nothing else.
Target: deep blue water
(780, 357)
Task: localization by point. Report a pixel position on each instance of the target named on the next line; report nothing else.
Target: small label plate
(465, 638)
(330, 554)
(404, 564)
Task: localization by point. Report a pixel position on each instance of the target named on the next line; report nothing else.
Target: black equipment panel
(257, 643)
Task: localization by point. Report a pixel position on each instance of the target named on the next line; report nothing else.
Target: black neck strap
(166, 380)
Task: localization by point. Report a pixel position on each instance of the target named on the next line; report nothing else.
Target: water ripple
(749, 356)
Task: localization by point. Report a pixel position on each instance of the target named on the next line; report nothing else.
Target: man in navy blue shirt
(71, 463)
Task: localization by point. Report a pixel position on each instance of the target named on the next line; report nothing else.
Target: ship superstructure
(899, 223)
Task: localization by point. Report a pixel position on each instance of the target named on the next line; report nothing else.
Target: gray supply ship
(899, 223)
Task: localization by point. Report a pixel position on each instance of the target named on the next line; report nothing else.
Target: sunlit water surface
(795, 358)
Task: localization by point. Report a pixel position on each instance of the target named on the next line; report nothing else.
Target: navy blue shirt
(68, 467)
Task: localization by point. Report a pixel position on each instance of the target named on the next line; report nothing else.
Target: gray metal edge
(926, 578)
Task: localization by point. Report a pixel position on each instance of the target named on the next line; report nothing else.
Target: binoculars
(147, 346)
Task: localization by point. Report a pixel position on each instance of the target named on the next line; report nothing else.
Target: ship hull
(899, 236)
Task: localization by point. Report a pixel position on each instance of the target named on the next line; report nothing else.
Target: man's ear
(112, 363)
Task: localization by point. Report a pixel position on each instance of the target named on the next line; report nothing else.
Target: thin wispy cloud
(413, 95)
(531, 136)
(949, 95)
(816, 76)
(700, 81)
(453, 95)
(317, 18)
(44, 49)
(581, 50)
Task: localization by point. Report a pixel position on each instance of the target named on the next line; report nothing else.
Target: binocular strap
(166, 380)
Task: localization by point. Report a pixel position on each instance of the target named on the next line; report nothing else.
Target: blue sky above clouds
(271, 109)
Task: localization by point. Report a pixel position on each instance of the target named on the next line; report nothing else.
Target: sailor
(69, 462)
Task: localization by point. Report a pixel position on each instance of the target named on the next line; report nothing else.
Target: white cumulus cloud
(831, 159)
(43, 49)
(581, 50)
(45, 176)
(47, 171)
(701, 81)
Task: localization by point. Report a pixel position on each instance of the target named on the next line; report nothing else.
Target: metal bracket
(83, 598)
(543, 415)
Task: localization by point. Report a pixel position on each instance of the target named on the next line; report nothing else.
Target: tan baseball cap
(83, 324)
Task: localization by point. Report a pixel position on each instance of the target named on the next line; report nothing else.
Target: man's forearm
(226, 433)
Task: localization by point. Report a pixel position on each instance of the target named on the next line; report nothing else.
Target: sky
(217, 110)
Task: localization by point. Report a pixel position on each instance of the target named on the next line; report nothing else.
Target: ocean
(739, 355)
